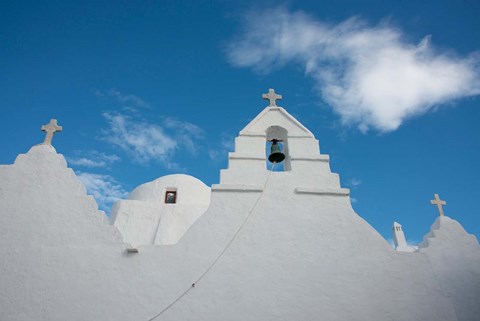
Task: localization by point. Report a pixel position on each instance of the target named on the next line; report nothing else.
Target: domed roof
(189, 190)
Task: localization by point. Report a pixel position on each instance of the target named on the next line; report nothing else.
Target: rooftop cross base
(50, 128)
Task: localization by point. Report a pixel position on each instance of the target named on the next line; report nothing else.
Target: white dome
(190, 190)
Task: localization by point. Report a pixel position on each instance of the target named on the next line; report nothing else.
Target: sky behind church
(145, 89)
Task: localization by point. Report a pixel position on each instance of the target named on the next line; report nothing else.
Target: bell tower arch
(305, 170)
(281, 135)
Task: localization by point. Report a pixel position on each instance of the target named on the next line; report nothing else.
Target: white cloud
(129, 100)
(93, 159)
(186, 133)
(354, 183)
(104, 188)
(141, 140)
(145, 142)
(226, 145)
(371, 76)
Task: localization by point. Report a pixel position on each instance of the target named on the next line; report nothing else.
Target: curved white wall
(145, 218)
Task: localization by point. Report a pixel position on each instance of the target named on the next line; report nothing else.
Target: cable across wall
(234, 237)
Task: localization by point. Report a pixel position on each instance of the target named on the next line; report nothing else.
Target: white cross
(437, 201)
(272, 96)
(50, 129)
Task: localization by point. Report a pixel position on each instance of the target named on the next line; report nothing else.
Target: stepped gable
(455, 258)
(38, 184)
(63, 260)
(448, 234)
(247, 163)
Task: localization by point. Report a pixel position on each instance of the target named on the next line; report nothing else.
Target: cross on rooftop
(50, 129)
(272, 96)
(437, 201)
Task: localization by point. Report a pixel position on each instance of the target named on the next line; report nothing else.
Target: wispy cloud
(225, 145)
(186, 133)
(140, 140)
(144, 141)
(93, 159)
(104, 188)
(128, 100)
(354, 183)
(371, 75)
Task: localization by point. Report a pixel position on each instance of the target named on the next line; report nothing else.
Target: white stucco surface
(303, 253)
(455, 259)
(145, 218)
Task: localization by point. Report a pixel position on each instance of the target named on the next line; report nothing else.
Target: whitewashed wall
(145, 218)
(303, 254)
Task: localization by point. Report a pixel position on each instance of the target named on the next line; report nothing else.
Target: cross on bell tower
(272, 97)
(50, 128)
(437, 201)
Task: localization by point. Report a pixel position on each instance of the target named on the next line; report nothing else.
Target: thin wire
(221, 253)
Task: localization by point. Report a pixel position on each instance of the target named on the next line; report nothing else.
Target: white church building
(260, 245)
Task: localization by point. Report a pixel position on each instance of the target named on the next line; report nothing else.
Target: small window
(170, 197)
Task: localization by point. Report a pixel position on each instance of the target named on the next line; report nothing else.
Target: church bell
(276, 155)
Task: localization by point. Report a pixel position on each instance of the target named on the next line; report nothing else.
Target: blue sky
(146, 89)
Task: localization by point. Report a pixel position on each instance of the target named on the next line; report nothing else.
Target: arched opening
(280, 134)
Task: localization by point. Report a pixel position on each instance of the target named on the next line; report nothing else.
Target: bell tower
(304, 167)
